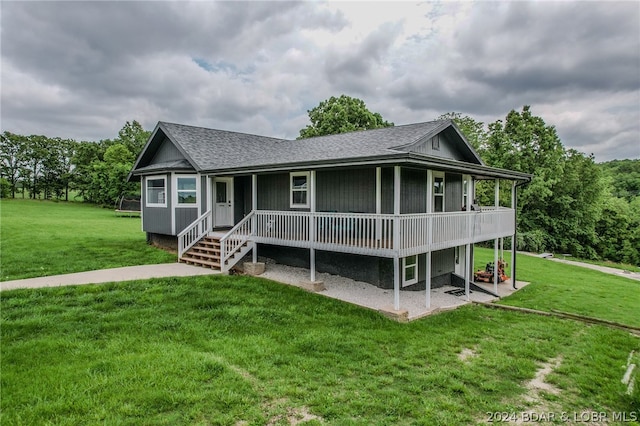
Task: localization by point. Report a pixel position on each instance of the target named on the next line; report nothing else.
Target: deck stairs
(207, 254)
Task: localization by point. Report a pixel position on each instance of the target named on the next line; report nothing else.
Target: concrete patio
(413, 304)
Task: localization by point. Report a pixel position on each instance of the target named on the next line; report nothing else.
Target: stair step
(201, 249)
(202, 255)
(200, 262)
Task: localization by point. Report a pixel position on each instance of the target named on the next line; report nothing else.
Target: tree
(473, 130)
(133, 137)
(625, 177)
(12, 157)
(108, 179)
(341, 115)
(34, 155)
(558, 209)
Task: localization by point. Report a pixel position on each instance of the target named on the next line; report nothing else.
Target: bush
(5, 188)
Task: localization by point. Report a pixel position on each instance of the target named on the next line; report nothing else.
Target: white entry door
(223, 202)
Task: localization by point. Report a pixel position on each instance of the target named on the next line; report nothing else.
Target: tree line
(41, 167)
(572, 205)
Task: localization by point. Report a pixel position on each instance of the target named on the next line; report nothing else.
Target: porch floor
(369, 296)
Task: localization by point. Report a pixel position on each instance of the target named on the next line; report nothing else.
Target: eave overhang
(478, 171)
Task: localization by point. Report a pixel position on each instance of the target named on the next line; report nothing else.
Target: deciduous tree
(341, 115)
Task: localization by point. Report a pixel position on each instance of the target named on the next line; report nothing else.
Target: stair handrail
(235, 239)
(194, 232)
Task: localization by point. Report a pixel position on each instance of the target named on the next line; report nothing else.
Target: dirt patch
(294, 417)
(538, 383)
(544, 410)
(466, 354)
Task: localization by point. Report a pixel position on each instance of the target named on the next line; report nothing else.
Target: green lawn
(571, 289)
(238, 350)
(41, 238)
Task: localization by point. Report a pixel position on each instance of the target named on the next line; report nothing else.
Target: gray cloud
(81, 69)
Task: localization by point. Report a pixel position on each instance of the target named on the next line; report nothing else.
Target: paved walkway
(605, 269)
(128, 273)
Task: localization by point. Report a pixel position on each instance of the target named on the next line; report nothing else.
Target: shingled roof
(220, 151)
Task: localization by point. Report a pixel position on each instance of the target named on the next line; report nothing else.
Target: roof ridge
(222, 130)
(389, 128)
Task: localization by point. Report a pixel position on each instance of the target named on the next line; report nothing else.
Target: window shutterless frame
(409, 270)
(299, 189)
(156, 191)
(186, 190)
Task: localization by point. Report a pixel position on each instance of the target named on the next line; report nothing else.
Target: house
(393, 206)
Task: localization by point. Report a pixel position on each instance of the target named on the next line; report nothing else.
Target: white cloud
(84, 68)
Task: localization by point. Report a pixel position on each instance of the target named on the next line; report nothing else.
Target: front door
(223, 202)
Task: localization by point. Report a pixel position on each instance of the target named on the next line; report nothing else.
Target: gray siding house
(392, 206)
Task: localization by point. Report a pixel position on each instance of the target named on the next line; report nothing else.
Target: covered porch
(398, 235)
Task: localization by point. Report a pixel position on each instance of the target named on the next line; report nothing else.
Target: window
(438, 192)
(299, 189)
(410, 270)
(435, 143)
(465, 192)
(156, 192)
(187, 191)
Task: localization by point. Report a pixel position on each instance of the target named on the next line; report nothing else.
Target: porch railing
(236, 239)
(359, 233)
(373, 234)
(438, 231)
(189, 236)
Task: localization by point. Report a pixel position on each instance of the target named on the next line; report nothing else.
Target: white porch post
(396, 238)
(429, 191)
(429, 209)
(254, 207)
(473, 201)
(513, 237)
(467, 261)
(378, 202)
(428, 278)
(495, 242)
(312, 224)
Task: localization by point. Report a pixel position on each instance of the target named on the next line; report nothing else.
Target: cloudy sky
(82, 69)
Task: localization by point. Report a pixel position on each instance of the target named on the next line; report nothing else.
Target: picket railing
(357, 233)
(193, 233)
(373, 234)
(236, 242)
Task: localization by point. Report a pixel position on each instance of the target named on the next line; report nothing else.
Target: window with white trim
(299, 185)
(438, 192)
(187, 191)
(156, 191)
(409, 270)
(465, 192)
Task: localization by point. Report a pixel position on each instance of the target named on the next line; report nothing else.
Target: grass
(238, 350)
(572, 289)
(41, 238)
